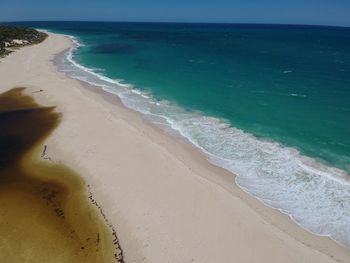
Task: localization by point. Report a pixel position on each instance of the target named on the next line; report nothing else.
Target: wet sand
(45, 213)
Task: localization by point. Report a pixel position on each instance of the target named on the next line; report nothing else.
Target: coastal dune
(166, 202)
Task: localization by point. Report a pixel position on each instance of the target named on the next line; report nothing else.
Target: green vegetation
(13, 37)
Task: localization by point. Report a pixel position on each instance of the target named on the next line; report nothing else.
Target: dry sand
(167, 203)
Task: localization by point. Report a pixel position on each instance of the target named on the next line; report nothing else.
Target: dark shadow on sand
(45, 213)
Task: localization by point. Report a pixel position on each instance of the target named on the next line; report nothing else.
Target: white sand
(166, 201)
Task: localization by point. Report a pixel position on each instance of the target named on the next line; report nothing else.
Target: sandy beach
(166, 202)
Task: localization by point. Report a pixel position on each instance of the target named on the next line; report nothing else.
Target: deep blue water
(270, 103)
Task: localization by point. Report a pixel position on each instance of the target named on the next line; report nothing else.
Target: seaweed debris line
(45, 211)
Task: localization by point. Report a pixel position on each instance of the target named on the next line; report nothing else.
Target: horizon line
(178, 22)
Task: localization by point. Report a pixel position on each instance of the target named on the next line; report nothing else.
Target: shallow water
(45, 213)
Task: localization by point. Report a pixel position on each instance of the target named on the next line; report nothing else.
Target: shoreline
(265, 226)
(186, 142)
(287, 160)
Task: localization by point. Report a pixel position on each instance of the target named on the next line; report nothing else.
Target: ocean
(270, 103)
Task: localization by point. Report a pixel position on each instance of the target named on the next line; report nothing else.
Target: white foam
(314, 195)
(297, 95)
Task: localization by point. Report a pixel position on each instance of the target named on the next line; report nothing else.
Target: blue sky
(321, 12)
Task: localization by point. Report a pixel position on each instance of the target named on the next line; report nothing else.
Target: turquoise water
(289, 84)
(270, 103)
